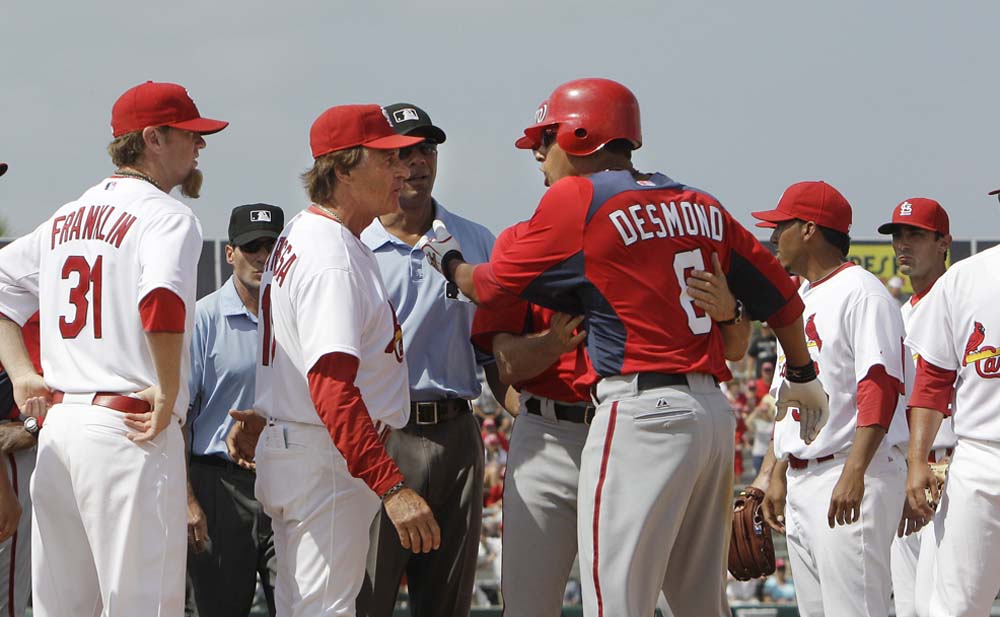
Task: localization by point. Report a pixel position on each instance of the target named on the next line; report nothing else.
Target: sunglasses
(424, 148)
(549, 137)
(256, 245)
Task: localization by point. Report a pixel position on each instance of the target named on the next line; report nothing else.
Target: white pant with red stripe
(965, 577)
(655, 500)
(320, 515)
(15, 552)
(109, 535)
(844, 570)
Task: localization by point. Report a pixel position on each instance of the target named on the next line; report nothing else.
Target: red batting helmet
(589, 113)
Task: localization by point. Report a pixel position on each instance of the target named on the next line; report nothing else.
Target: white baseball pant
(320, 515)
(109, 535)
(844, 570)
(966, 573)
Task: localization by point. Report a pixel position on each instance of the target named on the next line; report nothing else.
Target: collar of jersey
(230, 303)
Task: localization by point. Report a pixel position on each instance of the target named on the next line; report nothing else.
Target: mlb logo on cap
(402, 115)
(905, 209)
(260, 216)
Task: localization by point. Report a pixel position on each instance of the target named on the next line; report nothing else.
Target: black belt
(436, 412)
(649, 381)
(567, 413)
(217, 461)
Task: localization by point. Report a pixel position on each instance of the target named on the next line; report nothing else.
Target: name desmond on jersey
(644, 222)
(91, 223)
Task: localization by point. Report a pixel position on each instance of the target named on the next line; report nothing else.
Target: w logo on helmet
(541, 112)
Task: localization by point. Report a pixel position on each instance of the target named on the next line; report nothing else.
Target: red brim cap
(3, 168)
(770, 218)
(202, 126)
(391, 142)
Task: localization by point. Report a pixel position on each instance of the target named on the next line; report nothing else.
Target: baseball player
(331, 375)
(539, 352)
(18, 438)
(920, 238)
(616, 245)
(113, 275)
(845, 489)
(954, 335)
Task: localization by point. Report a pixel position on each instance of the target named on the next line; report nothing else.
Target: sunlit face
(179, 155)
(787, 238)
(248, 261)
(379, 179)
(555, 163)
(918, 250)
(421, 159)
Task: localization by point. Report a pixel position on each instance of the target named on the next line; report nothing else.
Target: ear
(229, 253)
(946, 240)
(152, 137)
(809, 229)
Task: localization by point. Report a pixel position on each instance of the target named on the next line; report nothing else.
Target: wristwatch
(32, 426)
(736, 318)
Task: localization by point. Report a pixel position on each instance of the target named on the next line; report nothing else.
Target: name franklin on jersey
(673, 219)
(91, 223)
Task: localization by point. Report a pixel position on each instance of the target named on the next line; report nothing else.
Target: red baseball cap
(810, 201)
(347, 126)
(159, 104)
(918, 212)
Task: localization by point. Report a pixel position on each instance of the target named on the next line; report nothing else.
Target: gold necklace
(131, 173)
(332, 213)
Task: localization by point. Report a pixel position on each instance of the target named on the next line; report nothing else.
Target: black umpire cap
(255, 221)
(408, 119)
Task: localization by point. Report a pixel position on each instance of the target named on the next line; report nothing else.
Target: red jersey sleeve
(933, 387)
(162, 310)
(339, 404)
(878, 394)
(756, 278)
(552, 236)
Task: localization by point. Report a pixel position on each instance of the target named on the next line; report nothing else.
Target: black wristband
(446, 261)
(800, 374)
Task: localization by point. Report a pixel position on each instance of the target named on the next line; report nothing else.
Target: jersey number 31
(88, 281)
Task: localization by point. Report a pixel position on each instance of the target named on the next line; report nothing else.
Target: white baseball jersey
(964, 335)
(851, 325)
(945, 437)
(321, 292)
(87, 268)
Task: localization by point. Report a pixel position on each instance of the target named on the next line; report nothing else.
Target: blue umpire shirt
(223, 363)
(436, 329)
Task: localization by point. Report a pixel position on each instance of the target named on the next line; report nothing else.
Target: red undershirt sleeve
(339, 404)
(162, 310)
(878, 394)
(933, 387)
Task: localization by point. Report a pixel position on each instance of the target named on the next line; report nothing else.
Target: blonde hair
(320, 180)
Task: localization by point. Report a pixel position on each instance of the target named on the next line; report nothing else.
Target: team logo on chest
(395, 346)
(812, 334)
(985, 357)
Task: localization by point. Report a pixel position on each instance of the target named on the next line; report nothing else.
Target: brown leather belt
(118, 402)
(435, 412)
(579, 414)
(799, 463)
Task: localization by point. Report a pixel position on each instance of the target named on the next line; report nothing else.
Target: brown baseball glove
(751, 550)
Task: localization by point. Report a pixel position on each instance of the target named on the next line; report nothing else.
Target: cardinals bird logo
(812, 334)
(985, 357)
(396, 344)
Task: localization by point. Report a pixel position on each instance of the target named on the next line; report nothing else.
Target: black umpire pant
(444, 463)
(222, 580)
